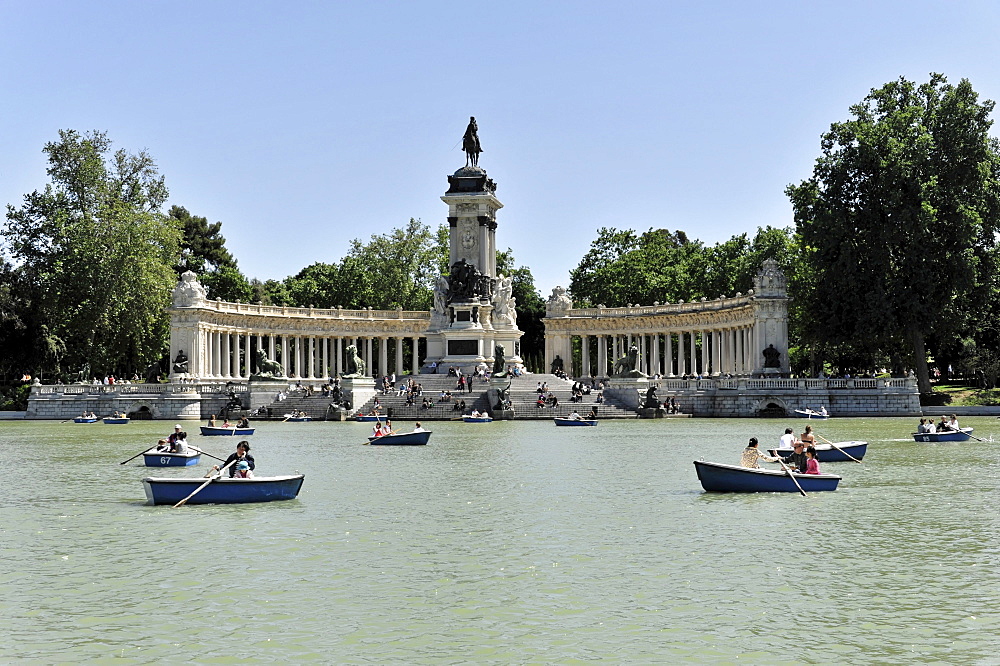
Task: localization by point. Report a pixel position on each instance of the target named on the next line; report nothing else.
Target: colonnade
(231, 354)
(707, 352)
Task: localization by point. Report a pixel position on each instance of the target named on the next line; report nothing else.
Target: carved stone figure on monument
(441, 296)
(189, 292)
(499, 363)
(557, 365)
(651, 401)
(180, 365)
(470, 143)
(503, 399)
(558, 304)
(626, 366)
(266, 368)
(354, 366)
(152, 373)
(772, 357)
(502, 299)
(83, 377)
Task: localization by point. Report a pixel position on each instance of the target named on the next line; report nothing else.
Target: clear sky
(301, 125)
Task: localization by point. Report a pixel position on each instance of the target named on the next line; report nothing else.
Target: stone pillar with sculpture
(474, 309)
(770, 332)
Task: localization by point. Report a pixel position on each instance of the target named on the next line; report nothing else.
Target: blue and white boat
(85, 419)
(298, 419)
(156, 458)
(404, 438)
(828, 453)
(468, 418)
(721, 478)
(367, 418)
(811, 414)
(110, 420)
(960, 435)
(223, 490)
(232, 431)
(566, 421)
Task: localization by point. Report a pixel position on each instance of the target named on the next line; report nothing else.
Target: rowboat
(156, 458)
(214, 430)
(566, 421)
(410, 438)
(810, 414)
(720, 478)
(477, 419)
(82, 419)
(827, 453)
(960, 435)
(298, 418)
(367, 418)
(162, 490)
(113, 421)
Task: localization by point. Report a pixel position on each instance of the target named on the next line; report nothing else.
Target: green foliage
(202, 247)
(392, 270)
(14, 398)
(898, 222)
(530, 305)
(228, 284)
(623, 267)
(95, 257)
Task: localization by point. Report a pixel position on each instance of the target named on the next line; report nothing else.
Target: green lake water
(502, 543)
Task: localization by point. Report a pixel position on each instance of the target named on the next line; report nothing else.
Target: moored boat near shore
(829, 453)
(722, 478)
(223, 491)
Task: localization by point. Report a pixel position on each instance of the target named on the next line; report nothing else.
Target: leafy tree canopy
(203, 248)
(898, 221)
(95, 255)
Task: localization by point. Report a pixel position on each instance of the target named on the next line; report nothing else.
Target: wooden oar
(839, 449)
(791, 476)
(135, 456)
(199, 488)
(205, 453)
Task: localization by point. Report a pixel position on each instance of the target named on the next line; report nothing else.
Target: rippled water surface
(500, 543)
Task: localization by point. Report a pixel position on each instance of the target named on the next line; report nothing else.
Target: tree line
(892, 259)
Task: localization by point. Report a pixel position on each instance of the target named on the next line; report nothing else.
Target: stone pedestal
(263, 393)
(357, 390)
(652, 413)
(498, 385)
(627, 391)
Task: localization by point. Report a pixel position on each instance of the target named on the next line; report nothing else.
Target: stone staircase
(523, 395)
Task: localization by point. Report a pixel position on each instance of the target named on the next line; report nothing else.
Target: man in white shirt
(786, 441)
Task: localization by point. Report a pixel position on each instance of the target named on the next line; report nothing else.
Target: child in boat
(242, 455)
(812, 465)
(179, 445)
(243, 470)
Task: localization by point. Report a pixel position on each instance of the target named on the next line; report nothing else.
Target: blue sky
(301, 125)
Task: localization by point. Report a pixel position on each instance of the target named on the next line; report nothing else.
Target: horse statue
(83, 377)
(354, 366)
(266, 368)
(626, 365)
(470, 143)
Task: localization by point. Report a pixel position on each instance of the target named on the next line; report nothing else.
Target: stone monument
(474, 311)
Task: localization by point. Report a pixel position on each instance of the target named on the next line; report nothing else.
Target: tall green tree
(530, 308)
(96, 253)
(202, 247)
(898, 221)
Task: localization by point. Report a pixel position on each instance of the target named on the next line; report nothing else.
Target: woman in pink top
(812, 466)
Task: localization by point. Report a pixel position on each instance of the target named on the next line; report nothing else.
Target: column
(656, 354)
(585, 355)
(248, 356)
(383, 356)
(367, 341)
(681, 365)
(338, 356)
(694, 352)
(226, 356)
(416, 355)
(668, 365)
